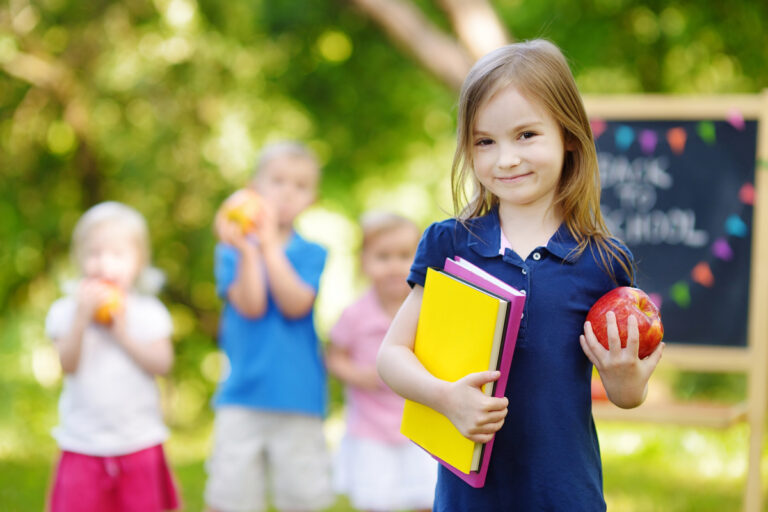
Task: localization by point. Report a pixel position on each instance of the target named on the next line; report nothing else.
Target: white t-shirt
(110, 406)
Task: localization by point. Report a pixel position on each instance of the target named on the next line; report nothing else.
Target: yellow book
(460, 331)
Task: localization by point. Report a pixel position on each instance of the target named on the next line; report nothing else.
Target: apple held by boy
(244, 208)
(113, 303)
(626, 301)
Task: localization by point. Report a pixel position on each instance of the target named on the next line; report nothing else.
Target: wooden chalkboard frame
(752, 359)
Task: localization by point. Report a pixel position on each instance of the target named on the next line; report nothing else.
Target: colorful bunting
(706, 130)
(747, 194)
(648, 140)
(702, 274)
(734, 226)
(598, 127)
(681, 294)
(735, 118)
(676, 138)
(721, 249)
(624, 137)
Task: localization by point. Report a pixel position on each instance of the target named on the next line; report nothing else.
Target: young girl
(111, 429)
(377, 467)
(533, 220)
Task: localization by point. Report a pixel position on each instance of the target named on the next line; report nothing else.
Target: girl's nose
(508, 156)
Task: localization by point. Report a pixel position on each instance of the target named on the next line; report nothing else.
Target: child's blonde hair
(289, 148)
(539, 71)
(374, 223)
(132, 224)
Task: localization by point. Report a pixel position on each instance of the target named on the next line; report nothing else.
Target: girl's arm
(624, 375)
(70, 345)
(476, 415)
(155, 357)
(90, 293)
(341, 365)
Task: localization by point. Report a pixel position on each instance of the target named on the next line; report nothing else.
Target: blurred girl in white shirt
(113, 337)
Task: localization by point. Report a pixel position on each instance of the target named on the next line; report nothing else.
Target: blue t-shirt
(546, 456)
(275, 362)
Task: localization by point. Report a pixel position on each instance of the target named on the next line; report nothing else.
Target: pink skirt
(139, 481)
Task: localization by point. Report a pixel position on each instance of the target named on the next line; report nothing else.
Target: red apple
(244, 208)
(111, 305)
(626, 301)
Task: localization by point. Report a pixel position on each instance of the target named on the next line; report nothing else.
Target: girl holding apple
(532, 219)
(113, 337)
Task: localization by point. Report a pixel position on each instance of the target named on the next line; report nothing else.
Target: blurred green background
(164, 104)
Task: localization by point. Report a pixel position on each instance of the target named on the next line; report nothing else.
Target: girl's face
(518, 150)
(387, 259)
(109, 254)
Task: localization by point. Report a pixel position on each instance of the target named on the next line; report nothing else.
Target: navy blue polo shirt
(546, 456)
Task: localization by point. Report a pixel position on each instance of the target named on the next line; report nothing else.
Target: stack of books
(468, 323)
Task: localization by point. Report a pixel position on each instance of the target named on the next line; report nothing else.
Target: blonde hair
(539, 71)
(374, 223)
(132, 224)
(287, 148)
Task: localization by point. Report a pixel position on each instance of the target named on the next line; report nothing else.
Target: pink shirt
(360, 331)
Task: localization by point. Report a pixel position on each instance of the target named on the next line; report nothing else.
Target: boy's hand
(624, 375)
(228, 231)
(267, 231)
(477, 416)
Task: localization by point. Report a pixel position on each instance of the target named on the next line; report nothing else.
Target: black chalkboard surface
(680, 195)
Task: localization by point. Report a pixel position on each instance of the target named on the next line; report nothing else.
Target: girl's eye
(483, 142)
(527, 135)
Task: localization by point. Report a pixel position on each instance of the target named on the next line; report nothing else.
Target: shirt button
(524, 271)
(536, 256)
(522, 291)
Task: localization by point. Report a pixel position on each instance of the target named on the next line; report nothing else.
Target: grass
(647, 468)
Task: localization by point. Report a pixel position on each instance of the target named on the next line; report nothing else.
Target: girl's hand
(624, 375)
(477, 416)
(91, 293)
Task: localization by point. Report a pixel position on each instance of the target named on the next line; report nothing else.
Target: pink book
(465, 270)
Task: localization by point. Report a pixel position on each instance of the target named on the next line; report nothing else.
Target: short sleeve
(225, 268)
(622, 277)
(343, 333)
(59, 319)
(152, 321)
(436, 244)
(310, 268)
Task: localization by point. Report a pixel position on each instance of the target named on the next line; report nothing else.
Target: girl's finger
(653, 359)
(633, 336)
(614, 342)
(588, 351)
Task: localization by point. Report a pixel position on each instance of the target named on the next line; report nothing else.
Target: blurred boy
(268, 437)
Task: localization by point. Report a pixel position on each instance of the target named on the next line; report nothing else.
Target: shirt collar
(485, 238)
(562, 244)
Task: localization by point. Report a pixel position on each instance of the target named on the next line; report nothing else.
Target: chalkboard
(680, 194)
(685, 182)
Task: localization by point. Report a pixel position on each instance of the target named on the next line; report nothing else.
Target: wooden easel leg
(753, 495)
